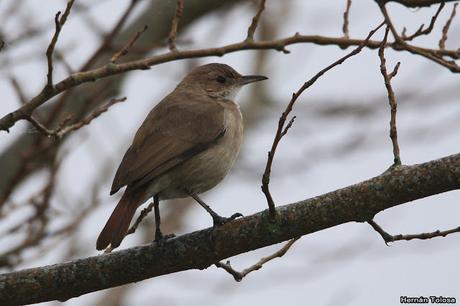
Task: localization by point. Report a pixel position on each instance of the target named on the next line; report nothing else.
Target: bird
(186, 146)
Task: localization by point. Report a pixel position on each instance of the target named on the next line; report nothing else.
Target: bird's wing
(173, 132)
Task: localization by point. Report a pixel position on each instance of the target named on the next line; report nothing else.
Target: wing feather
(174, 131)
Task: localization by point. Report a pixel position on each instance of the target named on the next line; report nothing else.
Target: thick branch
(200, 249)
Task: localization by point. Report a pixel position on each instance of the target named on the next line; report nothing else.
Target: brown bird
(185, 146)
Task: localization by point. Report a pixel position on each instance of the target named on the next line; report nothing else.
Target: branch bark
(111, 69)
(200, 249)
(417, 3)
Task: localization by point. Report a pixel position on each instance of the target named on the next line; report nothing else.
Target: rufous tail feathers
(116, 227)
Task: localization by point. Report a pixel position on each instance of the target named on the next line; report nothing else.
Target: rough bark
(200, 249)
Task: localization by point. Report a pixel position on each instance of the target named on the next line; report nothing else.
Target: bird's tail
(116, 227)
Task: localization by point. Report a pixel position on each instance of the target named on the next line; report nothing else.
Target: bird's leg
(217, 220)
(156, 207)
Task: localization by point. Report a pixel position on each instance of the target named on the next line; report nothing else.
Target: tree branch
(421, 31)
(282, 129)
(255, 21)
(418, 3)
(174, 24)
(422, 236)
(59, 22)
(111, 69)
(128, 46)
(346, 14)
(445, 29)
(436, 56)
(200, 249)
(391, 99)
(238, 276)
(65, 129)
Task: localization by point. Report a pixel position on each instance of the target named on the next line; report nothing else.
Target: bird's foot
(160, 239)
(219, 220)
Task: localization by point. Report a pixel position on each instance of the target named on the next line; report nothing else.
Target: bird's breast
(208, 168)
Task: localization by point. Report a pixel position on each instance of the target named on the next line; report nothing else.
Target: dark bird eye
(221, 79)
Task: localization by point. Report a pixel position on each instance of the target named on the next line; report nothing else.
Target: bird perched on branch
(185, 146)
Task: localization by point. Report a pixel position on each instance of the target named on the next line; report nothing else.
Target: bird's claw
(161, 239)
(219, 221)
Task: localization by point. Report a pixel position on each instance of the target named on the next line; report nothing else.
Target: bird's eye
(221, 79)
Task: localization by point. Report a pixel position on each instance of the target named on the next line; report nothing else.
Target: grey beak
(246, 79)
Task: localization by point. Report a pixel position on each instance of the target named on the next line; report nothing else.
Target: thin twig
(123, 51)
(281, 131)
(65, 129)
(445, 29)
(174, 24)
(423, 236)
(59, 23)
(434, 55)
(421, 31)
(139, 219)
(417, 3)
(255, 21)
(391, 99)
(2, 44)
(76, 79)
(109, 38)
(64, 62)
(19, 91)
(238, 276)
(346, 14)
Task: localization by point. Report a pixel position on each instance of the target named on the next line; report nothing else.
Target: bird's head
(218, 80)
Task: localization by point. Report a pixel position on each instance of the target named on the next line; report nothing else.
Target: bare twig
(434, 55)
(128, 46)
(2, 44)
(59, 23)
(139, 219)
(238, 276)
(445, 29)
(34, 225)
(174, 25)
(64, 62)
(421, 30)
(423, 236)
(255, 21)
(417, 3)
(110, 69)
(288, 126)
(109, 38)
(19, 91)
(281, 131)
(346, 14)
(65, 129)
(391, 99)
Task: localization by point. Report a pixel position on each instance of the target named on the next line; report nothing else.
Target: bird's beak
(246, 79)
